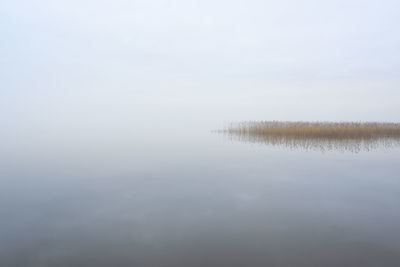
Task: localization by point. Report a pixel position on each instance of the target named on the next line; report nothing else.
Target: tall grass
(334, 130)
(321, 135)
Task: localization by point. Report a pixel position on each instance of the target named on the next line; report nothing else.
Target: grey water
(196, 198)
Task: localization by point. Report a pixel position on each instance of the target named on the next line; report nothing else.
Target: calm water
(197, 199)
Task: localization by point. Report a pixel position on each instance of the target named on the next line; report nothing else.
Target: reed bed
(354, 136)
(334, 130)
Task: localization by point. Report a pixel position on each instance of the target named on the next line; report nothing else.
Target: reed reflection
(323, 136)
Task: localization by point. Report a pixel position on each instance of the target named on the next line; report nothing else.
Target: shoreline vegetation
(352, 136)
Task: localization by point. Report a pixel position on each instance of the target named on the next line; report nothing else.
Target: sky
(73, 66)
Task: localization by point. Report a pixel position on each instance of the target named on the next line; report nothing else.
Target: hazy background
(110, 70)
(106, 151)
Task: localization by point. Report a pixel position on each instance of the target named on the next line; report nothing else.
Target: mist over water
(107, 155)
(190, 197)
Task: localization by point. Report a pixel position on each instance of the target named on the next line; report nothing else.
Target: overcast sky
(68, 64)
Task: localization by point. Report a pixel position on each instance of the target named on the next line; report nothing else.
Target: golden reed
(351, 136)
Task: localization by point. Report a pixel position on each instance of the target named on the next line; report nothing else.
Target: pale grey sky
(96, 65)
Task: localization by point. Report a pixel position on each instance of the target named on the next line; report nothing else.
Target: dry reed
(331, 130)
(352, 136)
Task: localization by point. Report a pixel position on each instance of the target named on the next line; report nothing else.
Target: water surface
(197, 199)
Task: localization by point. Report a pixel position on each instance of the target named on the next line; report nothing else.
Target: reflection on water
(196, 200)
(323, 144)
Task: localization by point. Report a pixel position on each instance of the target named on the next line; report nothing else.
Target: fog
(108, 155)
(109, 68)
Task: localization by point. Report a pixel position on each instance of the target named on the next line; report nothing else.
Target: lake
(197, 198)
